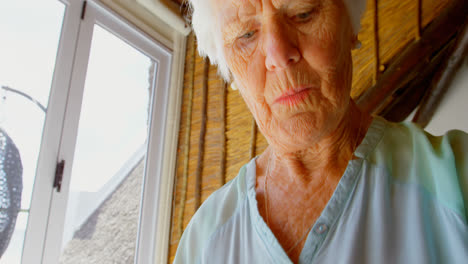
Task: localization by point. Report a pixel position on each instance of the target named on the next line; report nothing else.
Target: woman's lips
(293, 97)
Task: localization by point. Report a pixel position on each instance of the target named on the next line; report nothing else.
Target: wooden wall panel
(397, 28)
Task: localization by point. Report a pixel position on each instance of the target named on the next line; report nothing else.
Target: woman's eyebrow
(237, 22)
(303, 4)
(231, 30)
(230, 27)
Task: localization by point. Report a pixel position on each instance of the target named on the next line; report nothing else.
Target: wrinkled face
(291, 60)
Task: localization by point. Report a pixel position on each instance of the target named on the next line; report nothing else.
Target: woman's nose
(281, 51)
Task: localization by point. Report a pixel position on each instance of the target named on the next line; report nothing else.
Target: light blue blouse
(404, 200)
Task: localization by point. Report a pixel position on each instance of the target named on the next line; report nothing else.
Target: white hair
(209, 34)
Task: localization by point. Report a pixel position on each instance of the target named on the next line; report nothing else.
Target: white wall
(452, 112)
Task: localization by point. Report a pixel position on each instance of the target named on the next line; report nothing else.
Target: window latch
(59, 175)
(83, 10)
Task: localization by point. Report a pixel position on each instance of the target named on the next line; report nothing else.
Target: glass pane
(103, 206)
(30, 32)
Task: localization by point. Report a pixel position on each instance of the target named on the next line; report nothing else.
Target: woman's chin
(293, 129)
(297, 133)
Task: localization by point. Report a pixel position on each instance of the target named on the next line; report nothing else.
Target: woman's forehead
(231, 9)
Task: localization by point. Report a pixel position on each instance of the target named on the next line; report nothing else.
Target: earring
(233, 86)
(355, 42)
(357, 45)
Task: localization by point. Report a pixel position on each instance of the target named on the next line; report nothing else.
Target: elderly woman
(335, 185)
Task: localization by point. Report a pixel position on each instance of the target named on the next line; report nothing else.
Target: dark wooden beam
(178, 2)
(442, 80)
(415, 57)
(406, 99)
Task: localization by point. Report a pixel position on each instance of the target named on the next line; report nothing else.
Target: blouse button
(321, 229)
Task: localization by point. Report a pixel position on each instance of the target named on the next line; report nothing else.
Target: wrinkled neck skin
(322, 161)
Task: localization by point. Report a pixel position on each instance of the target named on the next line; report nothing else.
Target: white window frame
(47, 215)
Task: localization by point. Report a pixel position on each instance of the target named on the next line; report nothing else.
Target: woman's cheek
(239, 59)
(247, 49)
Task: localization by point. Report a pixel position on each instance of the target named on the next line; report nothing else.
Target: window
(30, 42)
(105, 99)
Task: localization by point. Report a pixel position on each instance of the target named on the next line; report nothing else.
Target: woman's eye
(248, 35)
(303, 16)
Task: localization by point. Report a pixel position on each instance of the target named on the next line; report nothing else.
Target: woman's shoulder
(437, 164)
(223, 202)
(408, 136)
(218, 208)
